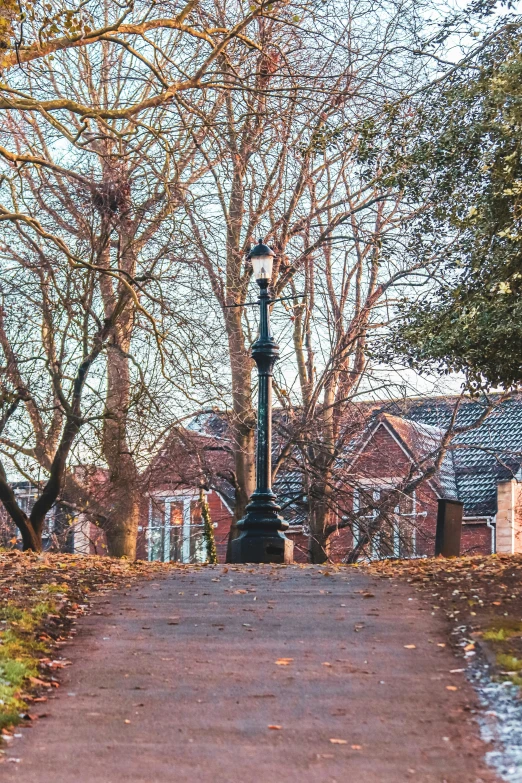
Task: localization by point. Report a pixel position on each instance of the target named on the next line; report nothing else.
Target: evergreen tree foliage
(465, 165)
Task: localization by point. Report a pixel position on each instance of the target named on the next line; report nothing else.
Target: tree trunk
(123, 491)
(31, 540)
(320, 490)
(320, 515)
(245, 469)
(318, 549)
(245, 466)
(244, 418)
(122, 529)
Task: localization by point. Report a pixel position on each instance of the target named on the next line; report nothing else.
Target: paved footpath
(177, 680)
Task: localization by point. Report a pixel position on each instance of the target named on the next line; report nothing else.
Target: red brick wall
(341, 542)
(223, 517)
(98, 540)
(381, 456)
(300, 546)
(475, 539)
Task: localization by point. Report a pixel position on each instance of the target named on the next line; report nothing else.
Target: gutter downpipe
(491, 522)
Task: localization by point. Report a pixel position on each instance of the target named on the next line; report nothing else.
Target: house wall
(383, 462)
(476, 539)
(382, 458)
(509, 517)
(300, 541)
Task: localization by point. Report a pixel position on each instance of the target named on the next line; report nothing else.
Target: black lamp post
(261, 538)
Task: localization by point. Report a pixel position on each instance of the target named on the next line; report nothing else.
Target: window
(391, 532)
(175, 530)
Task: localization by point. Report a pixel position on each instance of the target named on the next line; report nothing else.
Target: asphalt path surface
(259, 675)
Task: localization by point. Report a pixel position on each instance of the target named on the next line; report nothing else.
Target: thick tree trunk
(243, 420)
(318, 549)
(320, 516)
(245, 466)
(31, 540)
(245, 470)
(320, 488)
(123, 492)
(122, 528)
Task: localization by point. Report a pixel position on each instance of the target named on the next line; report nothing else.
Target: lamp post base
(262, 547)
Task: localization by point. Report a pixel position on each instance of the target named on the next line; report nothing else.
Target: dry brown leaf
(274, 726)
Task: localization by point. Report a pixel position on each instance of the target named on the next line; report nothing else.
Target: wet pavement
(257, 674)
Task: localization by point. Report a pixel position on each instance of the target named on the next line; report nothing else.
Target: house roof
(192, 458)
(489, 452)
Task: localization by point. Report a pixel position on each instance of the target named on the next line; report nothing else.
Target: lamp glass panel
(262, 267)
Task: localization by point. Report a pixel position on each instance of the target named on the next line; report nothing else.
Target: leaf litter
(480, 598)
(41, 596)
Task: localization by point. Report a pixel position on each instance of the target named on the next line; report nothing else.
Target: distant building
(385, 444)
(57, 532)
(482, 468)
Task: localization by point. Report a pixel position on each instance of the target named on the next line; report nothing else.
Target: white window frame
(375, 542)
(168, 500)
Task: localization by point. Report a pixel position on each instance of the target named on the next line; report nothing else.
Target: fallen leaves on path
(479, 595)
(41, 595)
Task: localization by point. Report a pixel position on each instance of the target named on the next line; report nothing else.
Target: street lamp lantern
(262, 538)
(262, 258)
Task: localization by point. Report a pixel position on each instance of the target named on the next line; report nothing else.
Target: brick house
(486, 462)
(482, 468)
(390, 450)
(192, 460)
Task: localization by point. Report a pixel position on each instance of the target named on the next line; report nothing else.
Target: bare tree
(288, 160)
(89, 198)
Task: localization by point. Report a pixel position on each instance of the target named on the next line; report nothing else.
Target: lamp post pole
(262, 538)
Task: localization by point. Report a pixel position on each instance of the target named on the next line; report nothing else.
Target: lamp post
(262, 538)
